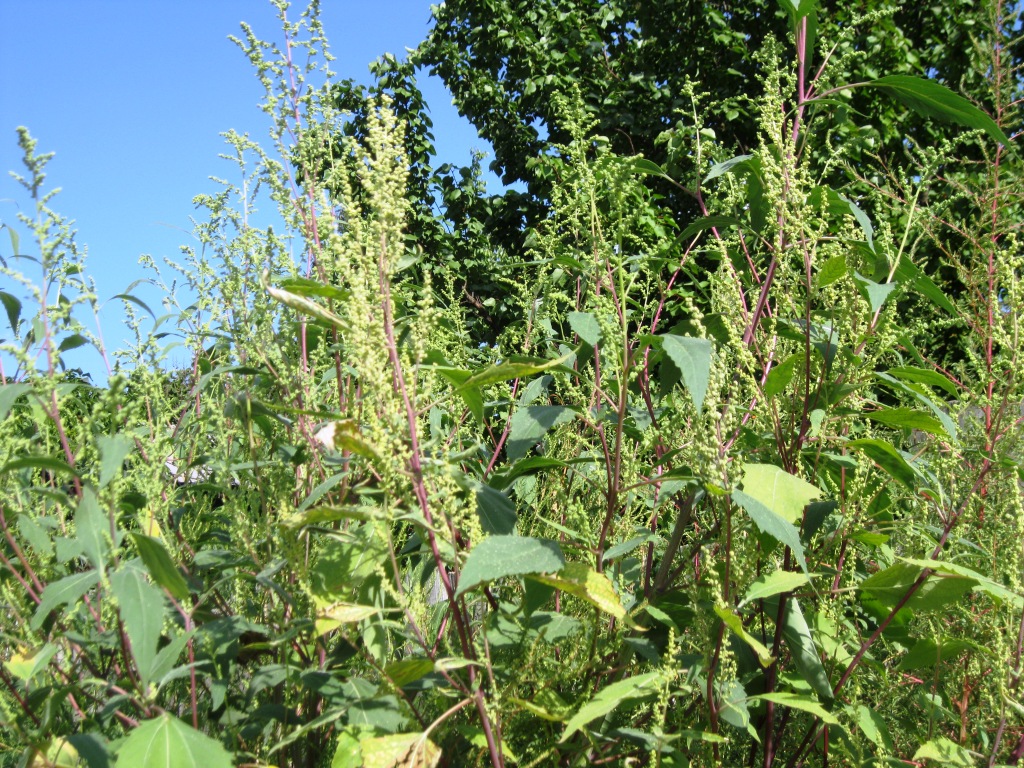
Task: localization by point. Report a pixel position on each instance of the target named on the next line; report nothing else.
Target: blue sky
(133, 96)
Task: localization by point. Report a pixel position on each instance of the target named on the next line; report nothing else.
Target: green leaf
(135, 300)
(735, 624)
(922, 376)
(693, 359)
(833, 269)
(945, 753)
(9, 394)
(40, 462)
(889, 459)
(92, 528)
(303, 286)
(142, 611)
(496, 511)
(499, 556)
(160, 566)
(983, 584)
(113, 450)
(74, 341)
(908, 272)
(862, 220)
(929, 98)
(726, 166)
(803, 703)
(709, 222)
(806, 658)
(875, 293)
(65, 591)
(927, 654)
(584, 582)
(13, 308)
(774, 584)
(408, 671)
(772, 524)
(646, 167)
(873, 726)
(166, 742)
(908, 418)
(530, 424)
(781, 375)
(785, 494)
(611, 696)
(585, 325)
(303, 305)
(401, 750)
(510, 369)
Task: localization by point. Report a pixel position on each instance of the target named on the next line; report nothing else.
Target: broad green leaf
(984, 584)
(693, 359)
(167, 742)
(321, 515)
(772, 524)
(142, 611)
(496, 511)
(647, 167)
(862, 220)
(347, 752)
(303, 286)
(40, 462)
(735, 624)
(781, 374)
(611, 696)
(914, 391)
(833, 269)
(74, 341)
(927, 654)
(585, 325)
(547, 705)
(132, 299)
(510, 369)
(12, 305)
(802, 648)
(25, 666)
(710, 222)
(304, 306)
(923, 376)
(92, 528)
(408, 671)
(9, 393)
(875, 293)
(803, 703)
(889, 459)
(931, 99)
(785, 494)
(499, 556)
(908, 418)
(160, 566)
(331, 615)
(113, 450)
(774, 583)
(530, 424)
(945, 753)
(581, 580)
(726, 166)
(908, 272)
(401, 750)
(65, 591)
(873, 726)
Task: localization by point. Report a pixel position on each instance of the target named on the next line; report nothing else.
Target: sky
(133, 96)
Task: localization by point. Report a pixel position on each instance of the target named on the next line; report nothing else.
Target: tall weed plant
(711, 499)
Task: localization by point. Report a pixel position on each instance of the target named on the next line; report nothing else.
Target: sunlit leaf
(499, 556)
(167, 742)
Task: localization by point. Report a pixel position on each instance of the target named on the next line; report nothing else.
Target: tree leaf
(611, 696)
(530, 424)
(922, 376)
(166, 742)
(499, 556)
(774, 583)
(929, 98)
(693, 359)
(160, 566)
(772, 524)
(785, 494)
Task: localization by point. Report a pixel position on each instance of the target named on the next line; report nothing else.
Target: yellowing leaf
(784, 494)
(735, 623)
(584, 582)
(402, 750)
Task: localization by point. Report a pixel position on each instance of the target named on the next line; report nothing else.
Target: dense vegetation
(700, 446)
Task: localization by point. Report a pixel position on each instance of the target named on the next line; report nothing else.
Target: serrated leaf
(499, 556)
(495, 509)
(781, 375)
(693, 359)
(611, 696)
(833, 269)
(735, 625)
(113, 450)
(530, 424)
(772, 524)
(167, 742)
(946, 753)
(929, 98)
(581, 580)
(785, 494)
(160, 566)
(875, 293)
(774, 583)
(142, 611)
(585, 325)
